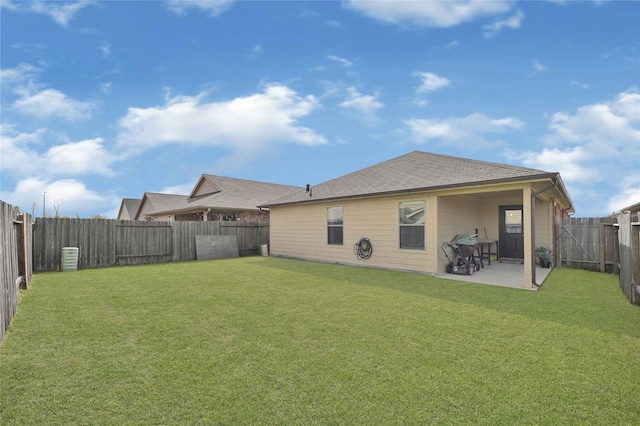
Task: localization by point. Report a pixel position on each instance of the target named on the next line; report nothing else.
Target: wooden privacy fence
(103, 242)
(608, 244)
(588, 243)
(629, 236)
(15, 260)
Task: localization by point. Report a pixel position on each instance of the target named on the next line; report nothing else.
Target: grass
(276, 341)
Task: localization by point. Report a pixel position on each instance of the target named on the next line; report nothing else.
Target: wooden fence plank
(115, 242)
(15, 245)
(587, 243)
(629, 258)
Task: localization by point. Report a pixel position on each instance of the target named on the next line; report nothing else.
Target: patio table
(481, 242)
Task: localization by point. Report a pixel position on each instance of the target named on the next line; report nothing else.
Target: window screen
(335, 224)
(412, 220)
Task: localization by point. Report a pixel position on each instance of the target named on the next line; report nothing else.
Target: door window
(513, 221)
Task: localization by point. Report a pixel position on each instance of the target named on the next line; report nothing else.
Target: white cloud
(537, 68)
(512, 22)
(18, 155)
(105, 48)
(342, 61)
(71, 195)
(51, 103)
(22, 157)
(628, 195)
(579, 85)
(597, 143)
(19, 75)
(105, 88)
(244, 125)
(60, 12)
(472, 131)
(431, 82)
(79, 158)
(366, 105)
(429, 13)
(184, 189)
(214, 7)
(255, 52)
(610, 125)
(568, 162)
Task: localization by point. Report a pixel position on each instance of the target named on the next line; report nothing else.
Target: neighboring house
(408, 206)
(213, 198)
(633, 209)
(154, 203)
(129, 208)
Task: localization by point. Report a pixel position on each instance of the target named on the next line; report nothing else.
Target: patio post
(527, 211)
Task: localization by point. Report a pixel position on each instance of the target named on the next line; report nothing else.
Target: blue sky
(108, 100)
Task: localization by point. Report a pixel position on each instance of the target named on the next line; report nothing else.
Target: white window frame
(335, 225)
(420, 222)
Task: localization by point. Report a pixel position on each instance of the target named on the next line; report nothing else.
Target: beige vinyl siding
(301, 231)
(491, 215)
(544, 223)
(456, 215)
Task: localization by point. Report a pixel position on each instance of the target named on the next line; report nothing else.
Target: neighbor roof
(415, 171)
(129, 208)
(225, 193)
(152, 202)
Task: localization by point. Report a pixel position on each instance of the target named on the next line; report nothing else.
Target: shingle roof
(234, 194)
(154, 202)
(241, 193)
(129, 208)
(414, 171)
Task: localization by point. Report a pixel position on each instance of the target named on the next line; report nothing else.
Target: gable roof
(129, 208)
(224, 193)
(412, 172)
(206, 185)
(152, 202)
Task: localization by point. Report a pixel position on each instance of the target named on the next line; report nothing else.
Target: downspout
(533, 228)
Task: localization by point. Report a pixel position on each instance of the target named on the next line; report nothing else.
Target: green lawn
(265, 340)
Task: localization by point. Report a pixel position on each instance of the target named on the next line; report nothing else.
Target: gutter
(460, 185)
(554, 185)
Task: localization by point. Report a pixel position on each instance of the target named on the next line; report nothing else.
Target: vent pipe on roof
(308, 188)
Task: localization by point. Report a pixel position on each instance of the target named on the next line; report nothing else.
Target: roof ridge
(503, 165)
(247, 180)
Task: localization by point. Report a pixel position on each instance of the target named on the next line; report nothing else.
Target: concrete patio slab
(500, 274)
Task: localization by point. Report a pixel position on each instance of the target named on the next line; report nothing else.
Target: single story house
(213, 198)
(409, 205)
(153, 202)
(129, 208)
(633, 209)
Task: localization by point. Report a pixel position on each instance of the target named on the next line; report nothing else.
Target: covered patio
(501, 274)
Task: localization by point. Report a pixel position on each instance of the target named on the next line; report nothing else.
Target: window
(412, 216)
(335, 222)
(513, 221)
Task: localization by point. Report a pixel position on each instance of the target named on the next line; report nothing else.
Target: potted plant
(544, 255)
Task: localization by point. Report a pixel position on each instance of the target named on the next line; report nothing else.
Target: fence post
(629, 258)
(15, 242)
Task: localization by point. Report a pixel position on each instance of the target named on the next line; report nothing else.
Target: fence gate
(588, 243)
